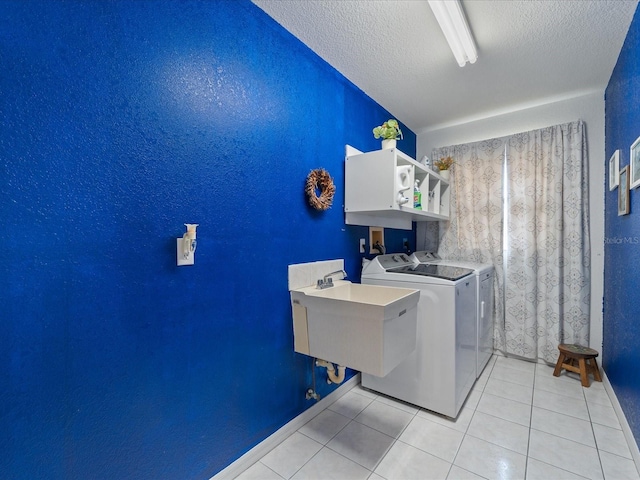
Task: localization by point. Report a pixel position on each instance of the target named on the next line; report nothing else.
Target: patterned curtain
(542, 286)
(475, 229)
(547, 287)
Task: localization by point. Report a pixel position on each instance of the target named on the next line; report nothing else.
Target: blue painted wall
(120, 121)
(621, 342)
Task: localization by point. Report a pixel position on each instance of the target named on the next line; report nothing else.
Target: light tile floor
(518, 422)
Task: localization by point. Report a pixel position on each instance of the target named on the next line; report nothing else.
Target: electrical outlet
(362, 245)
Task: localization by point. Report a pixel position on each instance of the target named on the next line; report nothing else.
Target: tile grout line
(593, 432)
(533, 393)
(271, 469)
(453, 461)
(395, 440)
(558, 436)
(326, 445)
(564, 438)
(351, 420)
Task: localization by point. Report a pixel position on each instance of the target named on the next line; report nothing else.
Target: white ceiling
(529, 52)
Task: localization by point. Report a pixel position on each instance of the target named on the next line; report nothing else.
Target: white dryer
(484, 301)
(439, 374)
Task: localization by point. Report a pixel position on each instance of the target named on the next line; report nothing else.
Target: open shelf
(373, 195)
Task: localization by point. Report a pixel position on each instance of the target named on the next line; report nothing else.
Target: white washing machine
(484, 301)
(439, 374)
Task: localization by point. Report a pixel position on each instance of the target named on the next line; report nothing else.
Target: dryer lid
(445, 272)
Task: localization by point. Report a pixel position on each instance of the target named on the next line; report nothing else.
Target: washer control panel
(426, 257)
(393, 260)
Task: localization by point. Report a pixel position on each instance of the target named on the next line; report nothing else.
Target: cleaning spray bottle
(417, 196)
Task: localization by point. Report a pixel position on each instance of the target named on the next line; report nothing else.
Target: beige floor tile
(504, 408)
(563, 425)
(385, 418)
(500, 432)
(490, 461)
(405, 461)
(362, 444)
(565, 454)
(433, 438)
(329, 465)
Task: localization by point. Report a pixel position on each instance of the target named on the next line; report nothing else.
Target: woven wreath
(320, 180)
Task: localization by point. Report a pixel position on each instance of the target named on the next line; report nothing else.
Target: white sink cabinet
(371, 190)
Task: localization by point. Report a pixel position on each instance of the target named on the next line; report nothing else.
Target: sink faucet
(327, 281)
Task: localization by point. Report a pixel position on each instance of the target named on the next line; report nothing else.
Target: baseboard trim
(626, 429)
(276, 438)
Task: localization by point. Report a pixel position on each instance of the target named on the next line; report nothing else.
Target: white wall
(590, 109)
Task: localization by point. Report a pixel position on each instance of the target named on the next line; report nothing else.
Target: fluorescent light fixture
(454, 25)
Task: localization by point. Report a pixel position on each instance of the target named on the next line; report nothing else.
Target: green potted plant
(390, 132)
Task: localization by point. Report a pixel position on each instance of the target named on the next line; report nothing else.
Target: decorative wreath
(320, 180)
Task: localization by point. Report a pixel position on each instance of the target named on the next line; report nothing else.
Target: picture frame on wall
(623, 191)
(614, 170)
(634, 162)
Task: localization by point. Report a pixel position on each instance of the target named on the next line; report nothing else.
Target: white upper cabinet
(379, 190)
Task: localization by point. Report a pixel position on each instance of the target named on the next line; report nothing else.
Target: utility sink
(369, 328)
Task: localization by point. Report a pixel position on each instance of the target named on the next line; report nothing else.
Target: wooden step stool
(578, 359)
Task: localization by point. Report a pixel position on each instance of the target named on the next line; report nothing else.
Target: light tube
(456, 30)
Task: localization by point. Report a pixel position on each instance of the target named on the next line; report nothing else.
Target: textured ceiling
(529, 52)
